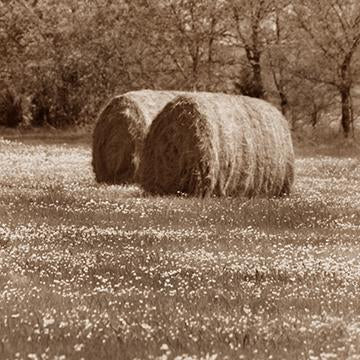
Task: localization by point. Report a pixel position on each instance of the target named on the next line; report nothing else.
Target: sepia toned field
(89, 271)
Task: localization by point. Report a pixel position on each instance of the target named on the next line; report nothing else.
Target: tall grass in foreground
(97, 272)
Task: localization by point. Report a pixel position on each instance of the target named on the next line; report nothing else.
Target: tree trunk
(314, 117)
(284, 104)
(345, 111)
(254, 58)
(259, 90)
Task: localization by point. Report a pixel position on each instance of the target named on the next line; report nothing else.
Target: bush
(54, 104)
(11, 112)
(40, 110)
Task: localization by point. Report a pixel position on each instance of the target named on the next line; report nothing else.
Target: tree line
(64, 59)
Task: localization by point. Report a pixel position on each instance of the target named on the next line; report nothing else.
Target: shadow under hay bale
(120, 131)
(207, 144)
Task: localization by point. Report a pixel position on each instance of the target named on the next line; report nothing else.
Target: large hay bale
(215, 144)
(120, 131)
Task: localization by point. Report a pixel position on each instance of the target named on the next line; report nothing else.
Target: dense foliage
(10, 109)
(67, 58)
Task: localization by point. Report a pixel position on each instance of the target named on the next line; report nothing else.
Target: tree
(332, 28)
(250, 30)
(183, 37)
(68, 57)
(280, 56)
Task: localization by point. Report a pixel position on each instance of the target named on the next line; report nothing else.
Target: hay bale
(215, 144)
(120, 131)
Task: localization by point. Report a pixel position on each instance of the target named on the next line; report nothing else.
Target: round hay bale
(120, 131)
(207, 144)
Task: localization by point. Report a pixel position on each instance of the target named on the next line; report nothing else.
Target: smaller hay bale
(207, 144)
(120, 131)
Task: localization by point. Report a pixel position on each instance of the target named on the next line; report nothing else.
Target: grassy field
(106, 272)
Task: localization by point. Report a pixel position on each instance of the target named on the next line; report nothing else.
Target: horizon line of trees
(65, 59)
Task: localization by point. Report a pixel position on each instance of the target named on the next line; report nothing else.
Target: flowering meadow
(89, 271)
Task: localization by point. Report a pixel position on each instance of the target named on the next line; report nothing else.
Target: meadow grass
(89, 271)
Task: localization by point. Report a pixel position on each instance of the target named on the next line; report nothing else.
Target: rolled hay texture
(215, 144)
(120, 131)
